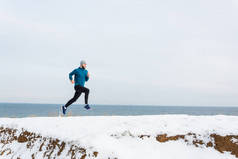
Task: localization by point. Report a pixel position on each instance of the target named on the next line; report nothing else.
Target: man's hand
(88, 74)
(72, 81)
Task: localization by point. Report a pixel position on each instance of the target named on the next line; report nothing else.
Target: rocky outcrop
(38, 146)
(13, 142)
(228, 143)
(222, 144)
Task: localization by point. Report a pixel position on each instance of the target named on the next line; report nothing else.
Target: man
(81, 75)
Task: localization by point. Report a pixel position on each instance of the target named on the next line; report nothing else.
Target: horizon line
(126, 104)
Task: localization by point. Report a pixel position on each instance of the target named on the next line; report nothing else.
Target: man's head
(83, 64)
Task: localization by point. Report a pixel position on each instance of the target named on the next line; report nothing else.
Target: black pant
(78, 90)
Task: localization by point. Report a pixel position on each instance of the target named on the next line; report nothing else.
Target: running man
(81, 75)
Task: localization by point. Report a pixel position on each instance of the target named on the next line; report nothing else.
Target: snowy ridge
(22, 144)
(120, 137)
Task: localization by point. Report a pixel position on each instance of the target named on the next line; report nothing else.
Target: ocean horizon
(19, 110)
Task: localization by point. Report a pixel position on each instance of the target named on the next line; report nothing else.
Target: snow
(96, 132)
(234, 140)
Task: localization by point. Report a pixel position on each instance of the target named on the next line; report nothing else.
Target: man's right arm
(87, 77)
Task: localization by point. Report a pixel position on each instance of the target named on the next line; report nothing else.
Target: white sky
(149, 52)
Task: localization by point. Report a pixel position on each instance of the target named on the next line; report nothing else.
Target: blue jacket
(80, 76)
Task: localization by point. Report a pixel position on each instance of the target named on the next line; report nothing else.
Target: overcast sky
(147, 52)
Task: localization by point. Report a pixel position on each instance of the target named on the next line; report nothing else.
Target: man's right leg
(76, 96)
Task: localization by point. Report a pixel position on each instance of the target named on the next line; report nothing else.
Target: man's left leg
(86, 91)
(86, 95)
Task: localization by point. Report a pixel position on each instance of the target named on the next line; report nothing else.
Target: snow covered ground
(126, 137)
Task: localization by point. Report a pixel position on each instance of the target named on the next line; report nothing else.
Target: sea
(20, 110)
